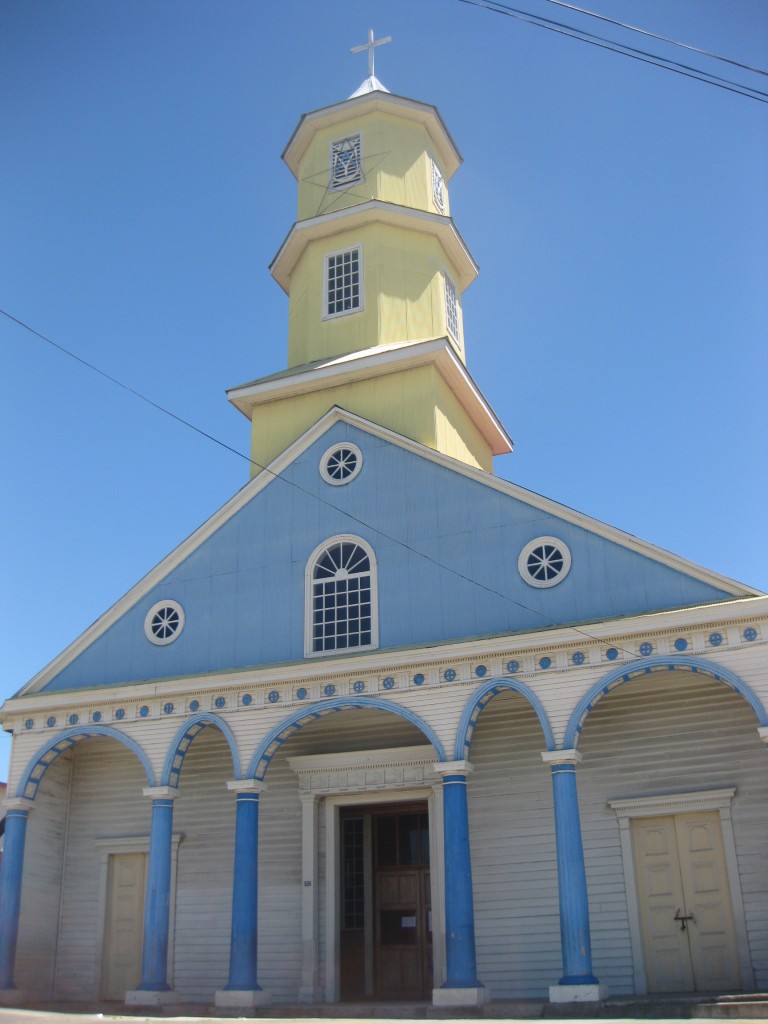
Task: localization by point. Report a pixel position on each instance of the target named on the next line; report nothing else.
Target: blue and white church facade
(388, 726)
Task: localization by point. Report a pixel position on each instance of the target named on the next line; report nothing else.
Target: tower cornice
(375, 211)
(376, 362)
(422, 113)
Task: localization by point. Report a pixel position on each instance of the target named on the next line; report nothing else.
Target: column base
(150, 997)
(478, 996)
(242, 997)
(12, 996)
(577, 993)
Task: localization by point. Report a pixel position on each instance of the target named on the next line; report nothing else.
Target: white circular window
(341, 463)
(544, 562)
(164, 622)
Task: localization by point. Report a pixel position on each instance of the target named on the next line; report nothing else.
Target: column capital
(246, 786)
(553, 757)
(452, 768)
(762, 732)
(160, 792)
(19, 803)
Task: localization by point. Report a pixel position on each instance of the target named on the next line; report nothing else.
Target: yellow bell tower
(374, 269)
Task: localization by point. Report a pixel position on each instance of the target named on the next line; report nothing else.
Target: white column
(308, 992)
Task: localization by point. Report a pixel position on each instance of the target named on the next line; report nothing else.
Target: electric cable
(623, 49)
(278, 477)
(654, 35)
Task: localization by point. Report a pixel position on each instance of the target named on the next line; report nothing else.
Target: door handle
(682, 918)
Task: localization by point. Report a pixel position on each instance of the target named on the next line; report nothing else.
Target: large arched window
(341, 597)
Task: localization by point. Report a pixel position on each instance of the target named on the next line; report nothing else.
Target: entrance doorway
(124, 924)
(686, 912)
(386, 912)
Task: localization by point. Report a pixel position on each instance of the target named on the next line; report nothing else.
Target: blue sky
(618, 212)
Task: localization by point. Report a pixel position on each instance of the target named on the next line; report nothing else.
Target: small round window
(341, 464)
(544, 562)
(164, 622)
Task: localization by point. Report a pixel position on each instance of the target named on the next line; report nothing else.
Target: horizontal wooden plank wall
(514, 870)
(105, 801)
(668, 734)
(204, 814)
(41, 889)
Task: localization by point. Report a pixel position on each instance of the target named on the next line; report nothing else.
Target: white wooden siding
(105, 801)
(204, 815)
(514, 868)
(41, 888)
(666, 734)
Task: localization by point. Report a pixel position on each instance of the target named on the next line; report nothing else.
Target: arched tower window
(341, 612)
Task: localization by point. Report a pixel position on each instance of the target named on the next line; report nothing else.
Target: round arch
(181, 742)
(270, 745)
(645, 666)
(483, 696)
(54, 747)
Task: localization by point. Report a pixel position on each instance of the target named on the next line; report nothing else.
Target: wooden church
(387, 726)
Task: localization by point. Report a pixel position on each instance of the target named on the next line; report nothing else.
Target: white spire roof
(371, 84)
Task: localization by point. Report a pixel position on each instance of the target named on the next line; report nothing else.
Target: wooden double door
(686, 912)
(386, 937)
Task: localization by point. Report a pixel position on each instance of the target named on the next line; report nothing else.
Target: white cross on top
(369, 46)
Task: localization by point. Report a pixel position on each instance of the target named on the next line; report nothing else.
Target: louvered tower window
(346, 163)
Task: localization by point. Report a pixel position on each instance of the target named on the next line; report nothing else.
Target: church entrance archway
(386, 902)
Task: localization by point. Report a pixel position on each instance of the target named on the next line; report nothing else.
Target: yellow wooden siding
(396, 155)
(415, 402)
(403, 294)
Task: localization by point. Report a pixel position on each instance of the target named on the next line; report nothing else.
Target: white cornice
(375, 211)
(281, 463)
(357, 106)
(375, 362)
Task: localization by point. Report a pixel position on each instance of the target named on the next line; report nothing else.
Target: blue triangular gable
(446, 542)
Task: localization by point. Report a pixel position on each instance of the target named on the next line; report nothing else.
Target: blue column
(157, 902)
(460, 956)
(245, 895)
(17, 813)
(571, 874)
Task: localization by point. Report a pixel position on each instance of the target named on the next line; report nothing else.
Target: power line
(292, 483)
(623, 49)
(654, 35)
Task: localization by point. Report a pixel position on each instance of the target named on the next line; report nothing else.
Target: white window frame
(438, 188)
(361, 280)
(522, 562)
(309, 649)
(336, 481)
(159, 606)
(452, 319)
(334, 185)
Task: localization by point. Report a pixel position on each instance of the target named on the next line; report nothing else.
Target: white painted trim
(553, 757)
(163, 641)
(681, 803)
(758, 602)
(374, 211)
(107, 847)
(323, 466)
(379, 360)
(341, 538)
(360, 307)
(530, 547)
(314, 764)
(309, 991)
